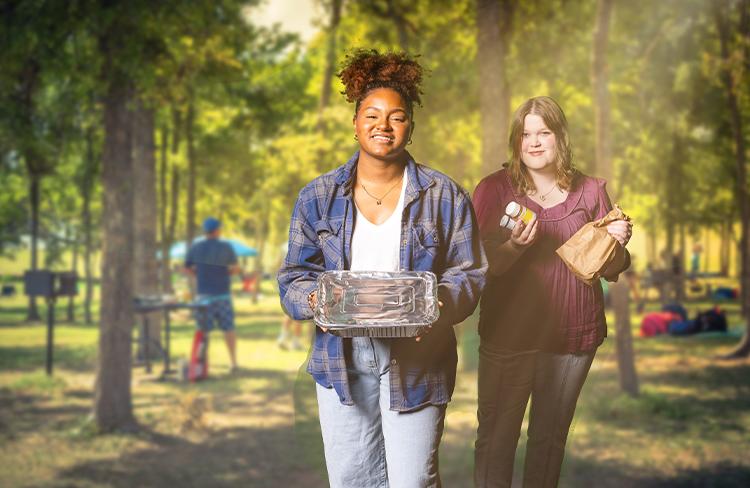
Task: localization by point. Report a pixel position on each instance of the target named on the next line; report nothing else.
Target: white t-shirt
(377, 247)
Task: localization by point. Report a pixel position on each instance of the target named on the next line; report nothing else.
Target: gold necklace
(544, 197)
(379, 201)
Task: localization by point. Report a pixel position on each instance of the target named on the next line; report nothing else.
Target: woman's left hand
(419, 337)
(621, 230)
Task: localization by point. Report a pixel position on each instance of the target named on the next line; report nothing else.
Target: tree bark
(164, 241)
(34, 183)
(725, 249)
(494, 24)
(400, 22)
(28, 84)
(741, 191)
(74, 268)
(113, 407)
(86, 190)
(620, 291)
(395, 13)
(628, 376)
(600, 83)
(175, 205)
(330, 67)
(190, 207)
(145, 266)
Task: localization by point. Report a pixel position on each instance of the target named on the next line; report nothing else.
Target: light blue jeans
(368, 445)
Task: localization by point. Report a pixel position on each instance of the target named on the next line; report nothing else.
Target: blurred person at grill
(539, 325)
(382, 401)
(212, 261)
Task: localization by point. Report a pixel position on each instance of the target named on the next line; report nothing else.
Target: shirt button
(404, 242)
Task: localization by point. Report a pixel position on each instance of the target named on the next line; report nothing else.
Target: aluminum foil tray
(376, 303)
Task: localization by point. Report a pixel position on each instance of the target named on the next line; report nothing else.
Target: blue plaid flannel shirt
(439, 233)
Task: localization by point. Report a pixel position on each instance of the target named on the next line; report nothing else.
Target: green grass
(689, 427)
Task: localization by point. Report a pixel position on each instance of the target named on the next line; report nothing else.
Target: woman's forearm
(501, 256)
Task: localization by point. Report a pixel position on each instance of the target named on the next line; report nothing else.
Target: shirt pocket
(426, 248)
(329, 240)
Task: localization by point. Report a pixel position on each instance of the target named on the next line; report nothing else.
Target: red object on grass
(657, 323)
(198, 368)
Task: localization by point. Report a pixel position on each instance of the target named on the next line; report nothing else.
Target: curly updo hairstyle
(366, 69)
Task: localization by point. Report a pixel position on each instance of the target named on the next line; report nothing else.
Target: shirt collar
(417, 180)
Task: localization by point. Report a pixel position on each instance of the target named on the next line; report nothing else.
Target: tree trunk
(620, 294)
(494, 24)
(600, 83)
(145, 266)
(165, 242)
(34, 183)
(651, 247)
(400, 23)
(705, 266)
(28, 84)
(87, 188)
(620, 291)
(262, 227)
(725, 249)
(175, 206)
(680, 278)
(113, 407)
(330, 67)
(190, 208)
(741, 191)
(74, 268)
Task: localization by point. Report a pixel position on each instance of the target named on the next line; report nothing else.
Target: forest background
(123, 124)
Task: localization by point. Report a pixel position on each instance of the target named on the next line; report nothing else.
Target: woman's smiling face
(538, 143)
(382, 124)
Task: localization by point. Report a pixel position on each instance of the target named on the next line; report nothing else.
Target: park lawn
(259, 428)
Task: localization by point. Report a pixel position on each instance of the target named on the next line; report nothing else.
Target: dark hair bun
(367, 69)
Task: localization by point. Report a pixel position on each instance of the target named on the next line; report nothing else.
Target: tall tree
(620, 291)
(145, 266)
(600, 83)
(191, 172)
(119, 34)
(330, 65)
(113, 408)
(90, 171)
(733, 76)
(494, 27)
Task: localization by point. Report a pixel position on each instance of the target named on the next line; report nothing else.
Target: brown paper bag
(591, 252)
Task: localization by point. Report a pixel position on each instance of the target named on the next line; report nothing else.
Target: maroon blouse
(538, 304)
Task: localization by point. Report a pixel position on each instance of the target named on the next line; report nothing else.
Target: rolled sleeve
(461, 282)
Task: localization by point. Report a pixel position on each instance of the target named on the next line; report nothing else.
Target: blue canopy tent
(179, 249)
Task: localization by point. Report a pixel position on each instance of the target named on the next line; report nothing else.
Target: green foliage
(259, 134)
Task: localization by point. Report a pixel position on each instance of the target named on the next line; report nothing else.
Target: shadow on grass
(224, 458)
(23, 412)
(75, 358)
(721, 375)
(608, 474)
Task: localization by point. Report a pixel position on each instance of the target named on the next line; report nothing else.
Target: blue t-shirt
(211, 259)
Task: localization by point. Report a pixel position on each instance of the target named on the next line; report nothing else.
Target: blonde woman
(539, 325)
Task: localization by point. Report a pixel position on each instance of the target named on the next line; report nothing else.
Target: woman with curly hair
(539, 325)
(382, 401)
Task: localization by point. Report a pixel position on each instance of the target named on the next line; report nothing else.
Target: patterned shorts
(219, 312)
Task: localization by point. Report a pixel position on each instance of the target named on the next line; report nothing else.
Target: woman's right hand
(312, 300)
(522, 235)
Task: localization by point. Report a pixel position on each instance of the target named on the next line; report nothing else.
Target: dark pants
(506, 380)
